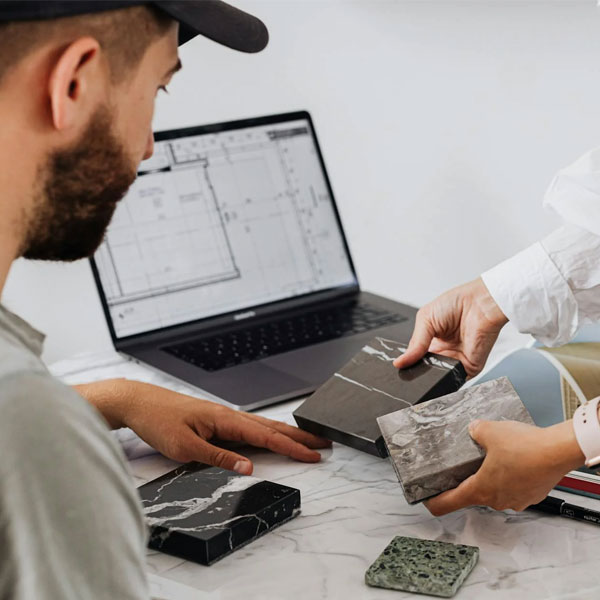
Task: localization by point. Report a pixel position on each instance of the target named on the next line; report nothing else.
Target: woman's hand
(522, 464)
(462, 323)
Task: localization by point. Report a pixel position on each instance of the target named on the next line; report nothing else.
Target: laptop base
(284, 376)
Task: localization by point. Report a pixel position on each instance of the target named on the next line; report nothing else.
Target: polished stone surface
(352, 506)
(204, 513)
(345, 408)
(423, 566)
(429, 444)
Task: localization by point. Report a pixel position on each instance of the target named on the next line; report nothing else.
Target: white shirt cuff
(534, 296)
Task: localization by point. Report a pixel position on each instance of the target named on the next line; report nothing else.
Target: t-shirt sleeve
(70, 522)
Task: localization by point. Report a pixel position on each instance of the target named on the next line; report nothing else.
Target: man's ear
(72, 87)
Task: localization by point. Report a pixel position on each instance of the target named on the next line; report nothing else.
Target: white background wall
(441, 124)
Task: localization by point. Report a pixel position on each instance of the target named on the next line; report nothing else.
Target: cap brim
(219, 22)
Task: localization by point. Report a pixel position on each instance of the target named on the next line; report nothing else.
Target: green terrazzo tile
(423, 566)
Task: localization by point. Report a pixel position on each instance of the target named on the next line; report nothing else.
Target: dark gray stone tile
(423, 566)
(429, 444)
(345, 408)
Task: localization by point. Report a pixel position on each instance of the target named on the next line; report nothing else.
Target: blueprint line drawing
(218, 222)
(160, 277)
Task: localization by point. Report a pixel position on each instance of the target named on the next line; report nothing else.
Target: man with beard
(77, 87)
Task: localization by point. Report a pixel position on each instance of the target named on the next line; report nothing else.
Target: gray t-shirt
(70, 522)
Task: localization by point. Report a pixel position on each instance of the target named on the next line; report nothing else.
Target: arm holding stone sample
(548, 290)
(522, 464)
(478, 446)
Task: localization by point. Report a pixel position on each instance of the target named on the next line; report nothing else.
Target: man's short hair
(123, 34)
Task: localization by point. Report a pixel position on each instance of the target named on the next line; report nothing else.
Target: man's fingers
(419, 342)
(460, 497)
(199, 450)
(299, 435)
(264, 436)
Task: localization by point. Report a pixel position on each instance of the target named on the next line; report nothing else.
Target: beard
(80, 187)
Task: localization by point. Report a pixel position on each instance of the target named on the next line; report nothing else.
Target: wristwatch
(587, 431)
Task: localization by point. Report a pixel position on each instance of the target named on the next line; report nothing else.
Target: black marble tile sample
(429, 444)
(422, 566)
(345, 408)
(203, 513)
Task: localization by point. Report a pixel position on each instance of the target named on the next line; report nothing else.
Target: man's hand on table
(462, 323)
(522, 464)
(181, 427)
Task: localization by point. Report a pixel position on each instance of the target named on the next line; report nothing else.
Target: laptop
(226, 265)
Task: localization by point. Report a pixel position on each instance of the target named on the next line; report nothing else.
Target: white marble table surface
(352, 506)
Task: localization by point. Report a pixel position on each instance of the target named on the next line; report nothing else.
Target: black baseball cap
(213, 19)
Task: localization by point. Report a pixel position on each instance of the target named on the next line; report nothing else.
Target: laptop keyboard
(260, 341)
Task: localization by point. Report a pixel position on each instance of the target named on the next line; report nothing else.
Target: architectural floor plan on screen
(218, 222)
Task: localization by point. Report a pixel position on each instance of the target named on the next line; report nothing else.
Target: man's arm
(181, 427)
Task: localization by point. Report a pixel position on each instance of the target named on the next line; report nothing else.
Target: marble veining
(192, 506)
(371, 389)
(429, 444)
(204, 513)
(346, 407)
(396, 349)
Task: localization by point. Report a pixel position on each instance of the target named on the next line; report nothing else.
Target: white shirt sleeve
(553, 287)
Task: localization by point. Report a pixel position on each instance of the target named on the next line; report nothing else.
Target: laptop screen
(222, 219)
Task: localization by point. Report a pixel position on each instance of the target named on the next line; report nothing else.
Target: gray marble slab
(429, 444)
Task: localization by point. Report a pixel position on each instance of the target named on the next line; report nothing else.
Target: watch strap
(587, 431)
